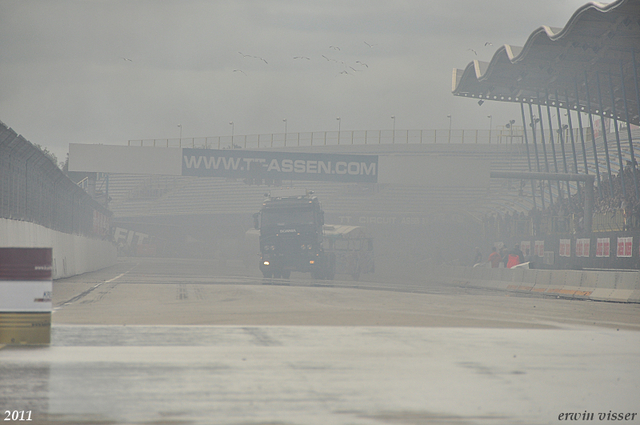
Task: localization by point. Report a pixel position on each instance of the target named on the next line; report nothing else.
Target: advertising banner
(565, 248)
(625, 246)
(240, 163)
(17, 296)
(602, 247)
(583, 246)
(25, 279)
(525, 247)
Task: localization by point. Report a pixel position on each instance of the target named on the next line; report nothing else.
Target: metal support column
(588, 206)
(615, 124)
(635, 78)
(637, 86)
(604, 136)
(544, 148)
(593, 134)
(573, 142)
(561, 137)
(629, 138)
(584, 148)
(526, 144)
(535, 147)
(552, 142)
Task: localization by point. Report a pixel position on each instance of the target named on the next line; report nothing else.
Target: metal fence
(333, 138)
(500, 135)
(613, 221)
(34, 189)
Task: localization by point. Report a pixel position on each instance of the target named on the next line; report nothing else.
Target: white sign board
(25, 296)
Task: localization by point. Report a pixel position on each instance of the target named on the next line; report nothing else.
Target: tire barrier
(615, 286)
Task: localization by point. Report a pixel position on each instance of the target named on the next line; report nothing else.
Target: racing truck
(291, 236)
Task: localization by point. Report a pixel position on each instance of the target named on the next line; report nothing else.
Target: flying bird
(488, 43)
(334, 47)
(363, 64)
(302, 57)
(239, 70)
(329, 59)
(370, 45)
(127, 60)
(254, 57)
(476, 53)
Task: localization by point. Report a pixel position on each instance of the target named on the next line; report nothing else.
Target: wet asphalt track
(183, 342)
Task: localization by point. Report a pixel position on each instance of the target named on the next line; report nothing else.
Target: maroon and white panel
(25, 279)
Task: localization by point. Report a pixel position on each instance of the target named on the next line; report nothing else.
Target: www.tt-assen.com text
(284, 166)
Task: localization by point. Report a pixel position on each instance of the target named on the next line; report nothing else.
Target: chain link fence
(34, 189)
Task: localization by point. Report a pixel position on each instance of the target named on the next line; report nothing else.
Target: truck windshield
(287, 217)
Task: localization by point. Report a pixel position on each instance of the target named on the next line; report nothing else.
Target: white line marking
(94, 287)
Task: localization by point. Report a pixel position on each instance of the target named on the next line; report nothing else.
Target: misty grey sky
(107, 71)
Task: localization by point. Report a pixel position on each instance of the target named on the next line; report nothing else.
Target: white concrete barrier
(72, 254)
(634, 297)
(616, 286)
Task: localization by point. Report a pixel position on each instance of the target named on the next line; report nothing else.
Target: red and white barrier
(615, 286)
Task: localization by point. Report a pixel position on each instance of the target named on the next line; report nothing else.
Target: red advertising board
(565, 248)
(625, 245)
(602, 247)
(583, 246)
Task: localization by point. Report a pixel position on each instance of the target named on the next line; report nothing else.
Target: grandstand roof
(599, 42)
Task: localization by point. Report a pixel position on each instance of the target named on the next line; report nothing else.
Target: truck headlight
(312, 262)
(266, 263)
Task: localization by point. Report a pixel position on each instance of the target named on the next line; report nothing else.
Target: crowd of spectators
(503, 226)
(622, 200)
(566, 214)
